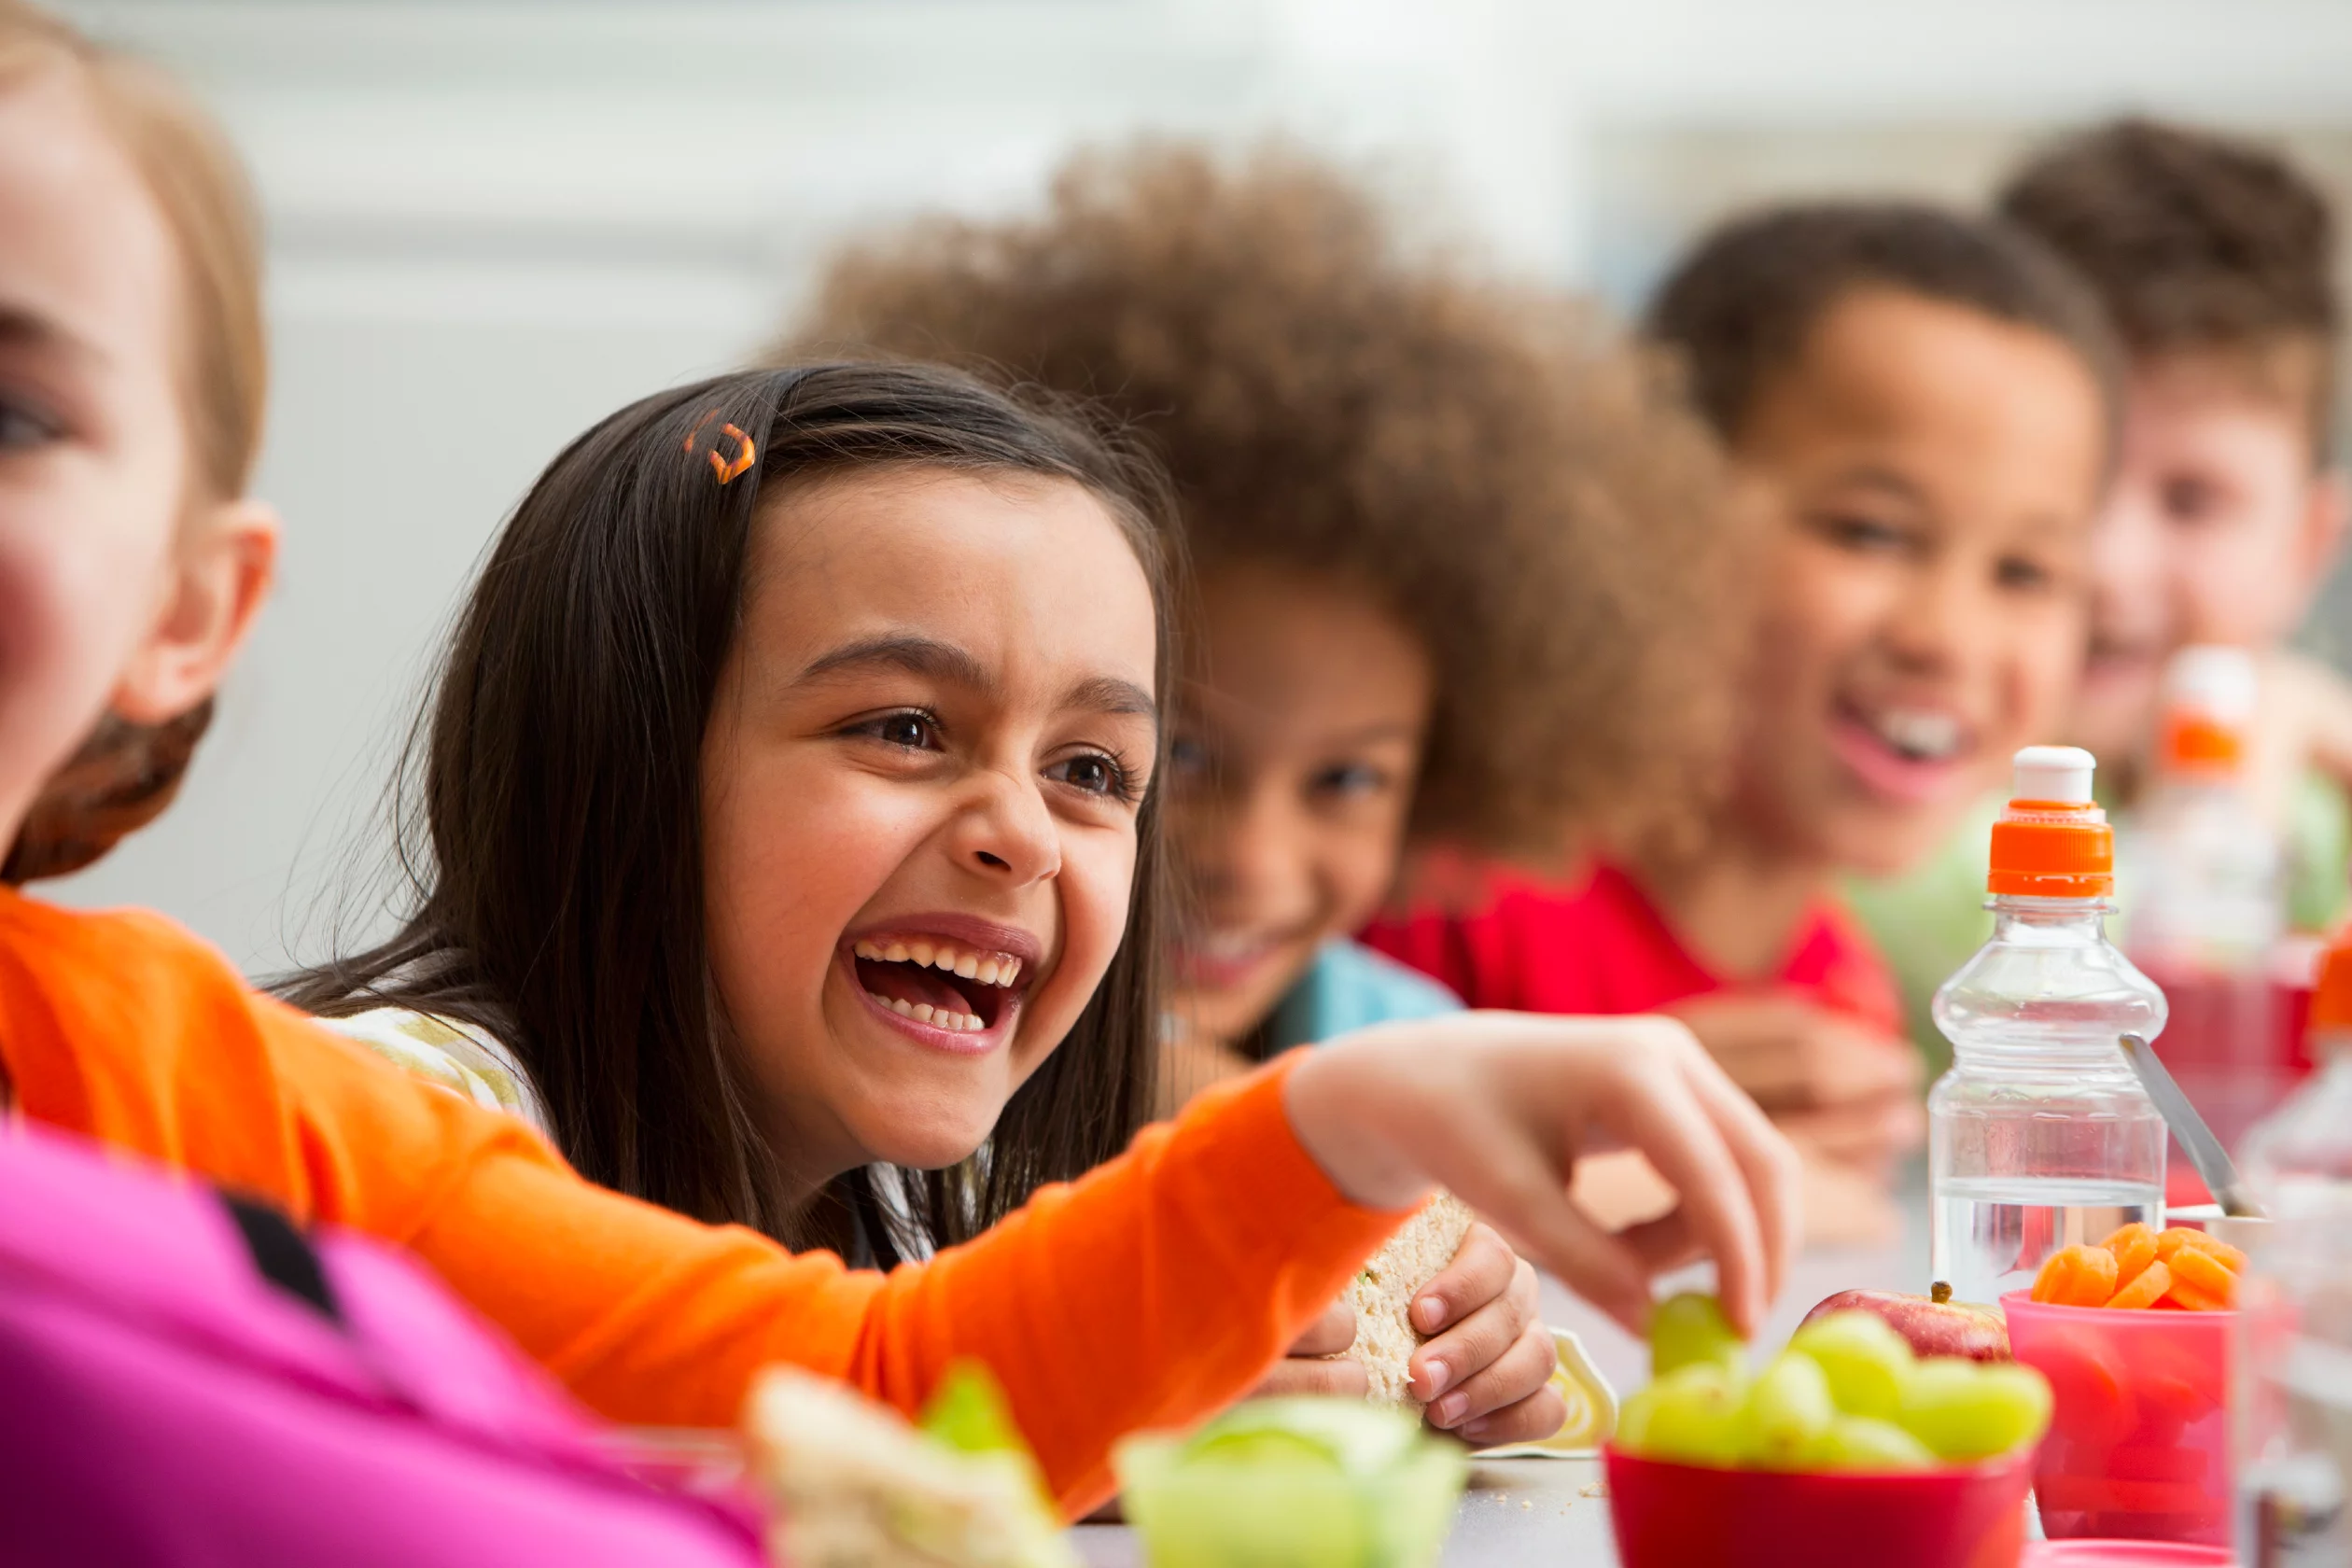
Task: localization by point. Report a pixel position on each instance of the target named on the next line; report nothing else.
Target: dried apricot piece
(2134, 1248)
(2076, 1277)
(2145, 1289)
(2201, 1280)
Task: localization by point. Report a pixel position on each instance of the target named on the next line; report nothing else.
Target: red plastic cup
(1686, 1515)
(2140, 1440)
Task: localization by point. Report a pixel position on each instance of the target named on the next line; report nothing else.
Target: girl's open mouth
(948, 985)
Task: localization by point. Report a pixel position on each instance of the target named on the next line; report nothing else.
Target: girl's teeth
(938, 1017)
(987, 970)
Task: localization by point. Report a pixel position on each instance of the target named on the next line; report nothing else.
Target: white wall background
(492, 221)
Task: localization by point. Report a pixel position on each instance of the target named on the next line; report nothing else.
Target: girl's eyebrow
(916, 656)
(20, 327)
(1109, 695)
(945, 662)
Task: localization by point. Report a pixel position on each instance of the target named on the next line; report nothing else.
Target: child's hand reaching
(1486, 1371)
(1498, 1107)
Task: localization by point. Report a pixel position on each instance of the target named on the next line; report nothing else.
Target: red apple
(1936, 1325)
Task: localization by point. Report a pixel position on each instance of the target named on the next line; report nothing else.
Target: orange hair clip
(746, 454)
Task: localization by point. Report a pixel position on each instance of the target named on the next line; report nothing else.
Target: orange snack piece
(2173, 1239)
(2134, 1248)
(2146, 1288)
(2201, 1281)
(2076, 1277)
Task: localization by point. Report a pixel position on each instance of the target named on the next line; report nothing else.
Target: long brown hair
(555, 847)
(125, 774)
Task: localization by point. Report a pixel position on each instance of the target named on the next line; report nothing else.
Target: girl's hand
(1486, 1372)
(1499, 1106)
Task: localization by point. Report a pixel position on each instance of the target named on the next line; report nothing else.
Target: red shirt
(1602, 947)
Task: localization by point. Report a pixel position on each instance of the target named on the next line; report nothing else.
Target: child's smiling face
(2220, 528)
(920, 787)
(1297, 743)
(1930, 474)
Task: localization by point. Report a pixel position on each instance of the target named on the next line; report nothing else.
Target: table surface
(1552, 1511)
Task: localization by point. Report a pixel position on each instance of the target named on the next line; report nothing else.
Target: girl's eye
(1093, 774)
(1350, 778)
(1851, 531)
(911, 729)
(22, 429)
(1187, 755)
(2017, 572)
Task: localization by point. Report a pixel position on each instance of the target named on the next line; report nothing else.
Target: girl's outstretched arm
(1151, 1293)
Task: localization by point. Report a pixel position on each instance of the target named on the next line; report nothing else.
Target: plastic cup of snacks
(2139, 1434)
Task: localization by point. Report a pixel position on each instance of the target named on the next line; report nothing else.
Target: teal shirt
(1349, 986)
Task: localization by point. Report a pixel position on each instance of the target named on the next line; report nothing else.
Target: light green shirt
(1931, 920)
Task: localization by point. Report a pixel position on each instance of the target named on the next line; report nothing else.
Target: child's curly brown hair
(1518, 485)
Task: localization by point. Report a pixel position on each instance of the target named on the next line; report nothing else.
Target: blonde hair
(125, 774)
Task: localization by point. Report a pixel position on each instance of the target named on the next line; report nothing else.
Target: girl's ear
(222, 573)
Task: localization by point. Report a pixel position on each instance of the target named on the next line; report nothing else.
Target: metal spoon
(2205, 1150)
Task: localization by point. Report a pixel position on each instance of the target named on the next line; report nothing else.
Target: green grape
(1866, 1361)
(1860, 1443)
(1964, 1410)
(1788, 1407)
(1688, 1416)
(1690, 1329)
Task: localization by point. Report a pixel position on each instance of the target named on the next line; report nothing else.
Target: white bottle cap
(2059, 773)
(2213, 681)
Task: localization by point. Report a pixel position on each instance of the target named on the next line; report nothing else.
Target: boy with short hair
(2216, 260)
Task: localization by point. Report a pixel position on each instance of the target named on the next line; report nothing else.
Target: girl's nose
(1009, 834)
(1251, 857)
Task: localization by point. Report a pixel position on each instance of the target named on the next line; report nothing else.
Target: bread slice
(853, 1485)
(1382, 1296)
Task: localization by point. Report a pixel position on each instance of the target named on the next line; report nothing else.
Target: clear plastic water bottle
(2041, 1136)
(2295, 1362)
(2207, 905)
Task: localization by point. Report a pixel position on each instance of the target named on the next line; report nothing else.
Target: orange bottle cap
(2052, 841)
(2331, 1001)
(2198, 743)
(2210, 693)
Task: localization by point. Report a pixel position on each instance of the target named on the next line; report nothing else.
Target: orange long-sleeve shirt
(1148, 1294)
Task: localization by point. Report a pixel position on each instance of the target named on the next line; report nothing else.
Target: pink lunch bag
(184, 1378)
